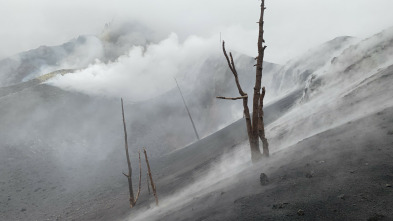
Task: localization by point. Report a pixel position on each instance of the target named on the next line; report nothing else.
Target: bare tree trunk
(153, 186)
(261, 125)
(140, 176)
(258, 80)
(188, 112)
(255, 126)
(129, 175)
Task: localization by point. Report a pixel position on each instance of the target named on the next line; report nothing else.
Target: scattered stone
(342, 196)
(388, 185)
(279, 205)
(300, 212)
(263, 179)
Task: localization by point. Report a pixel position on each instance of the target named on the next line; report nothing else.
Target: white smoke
(142, 73)
(146, 71)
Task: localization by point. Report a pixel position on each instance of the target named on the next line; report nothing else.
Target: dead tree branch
(188, 111)
(148, 183)
(255, 126)
(129, 175)
(233, 98)
(153, 186)
(140, 176)
(231, 65)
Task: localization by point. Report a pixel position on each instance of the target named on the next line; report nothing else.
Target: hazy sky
(292, 26)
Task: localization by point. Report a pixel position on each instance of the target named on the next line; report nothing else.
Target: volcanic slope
(331, 154)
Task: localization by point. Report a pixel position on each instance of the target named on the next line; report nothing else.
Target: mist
(338, 91)
(61, 126)
(29, 25)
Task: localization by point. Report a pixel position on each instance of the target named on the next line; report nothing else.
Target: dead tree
(153, 186)
(148, 183)
(129, 175)
(188, 112)
(255, 126)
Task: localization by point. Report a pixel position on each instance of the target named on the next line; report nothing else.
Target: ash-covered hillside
(114, 41)
(332, 151)
(58, 142)
(62, 147)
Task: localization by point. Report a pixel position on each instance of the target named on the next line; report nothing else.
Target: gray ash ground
(62, 152)
(344, 173)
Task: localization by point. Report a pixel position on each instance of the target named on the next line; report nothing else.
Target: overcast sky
(292, 26)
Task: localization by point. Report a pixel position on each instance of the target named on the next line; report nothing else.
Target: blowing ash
(217, 176)
(348, 86)
(88, 128)
(139, 68)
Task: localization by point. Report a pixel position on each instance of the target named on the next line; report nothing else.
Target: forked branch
(231, 65)
(129, 175)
